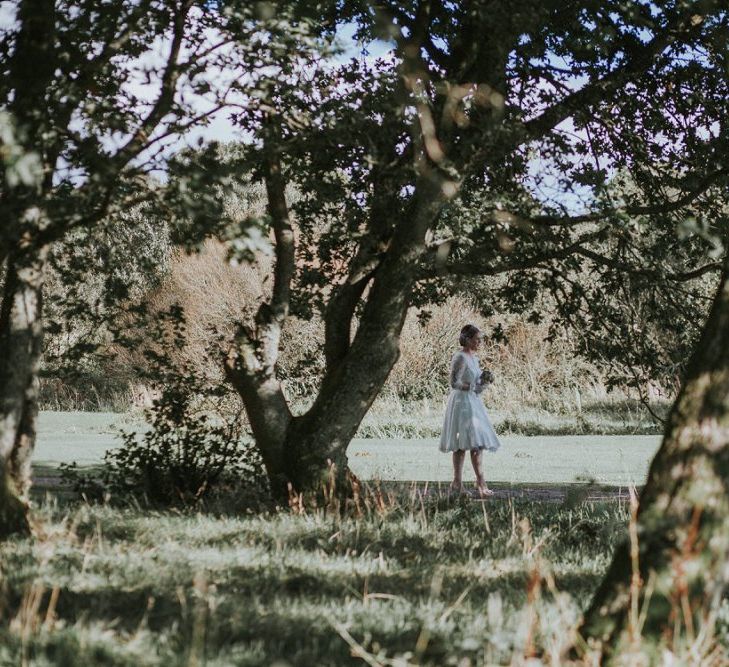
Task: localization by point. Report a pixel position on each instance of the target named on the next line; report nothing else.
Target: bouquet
(487, 377)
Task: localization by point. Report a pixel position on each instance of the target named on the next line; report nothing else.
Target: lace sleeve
(458, 364)
(478, 385)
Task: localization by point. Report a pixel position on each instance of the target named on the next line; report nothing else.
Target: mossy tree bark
(39, 206)
(683, 517)
(31, 72)
(21, 334)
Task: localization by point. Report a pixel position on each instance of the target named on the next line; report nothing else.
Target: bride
(466, 426)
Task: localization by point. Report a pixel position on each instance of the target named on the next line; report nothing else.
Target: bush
(187, 454)
(530, 371)
(195, 448)
(217, 295)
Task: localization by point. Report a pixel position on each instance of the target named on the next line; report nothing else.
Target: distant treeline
(90, 364)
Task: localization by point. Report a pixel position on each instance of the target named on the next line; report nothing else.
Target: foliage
(193, 451)
(350, 149)
(97, 274)
(186, 456)
(92, 102)
(348, 144)
(93, 276)
(506, 143)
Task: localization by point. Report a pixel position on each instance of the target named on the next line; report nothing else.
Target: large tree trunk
(315, 444)
(31, 70)
(683, 519)
(299, 454)
(320, 437)
(299, 451)
(21, 343)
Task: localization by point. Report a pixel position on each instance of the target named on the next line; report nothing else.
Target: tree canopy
(574, 149)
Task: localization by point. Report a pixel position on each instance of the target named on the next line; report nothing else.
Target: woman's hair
(468, 332)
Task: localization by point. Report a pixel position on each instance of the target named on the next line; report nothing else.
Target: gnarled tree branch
(251, 361)
(684, 25)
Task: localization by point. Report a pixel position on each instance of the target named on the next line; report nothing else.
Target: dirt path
(556, 493)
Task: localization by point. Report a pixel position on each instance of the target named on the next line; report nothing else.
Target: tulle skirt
(466, 424)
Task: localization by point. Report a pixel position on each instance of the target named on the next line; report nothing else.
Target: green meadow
(410, 576)
(616, 460)
(414, 579)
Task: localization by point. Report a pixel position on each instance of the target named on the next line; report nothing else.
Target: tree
(419, 167)
(676, 574)
(93, 96)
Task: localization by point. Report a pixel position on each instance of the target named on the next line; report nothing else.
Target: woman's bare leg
(483, 490)
(459, 456)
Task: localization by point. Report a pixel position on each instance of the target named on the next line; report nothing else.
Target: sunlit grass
(393, 418)
(426, 580)
(143, 588)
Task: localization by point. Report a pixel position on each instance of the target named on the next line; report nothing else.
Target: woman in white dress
(467, 426)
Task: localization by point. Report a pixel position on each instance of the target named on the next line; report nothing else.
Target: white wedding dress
(466, 425)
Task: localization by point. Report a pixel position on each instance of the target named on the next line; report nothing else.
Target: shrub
(195, 448)
(529, 369)
(187, 454)
(216, 295)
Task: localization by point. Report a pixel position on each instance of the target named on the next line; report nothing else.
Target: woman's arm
(458, 364)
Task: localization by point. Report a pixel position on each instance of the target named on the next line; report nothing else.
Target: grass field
(608, 460)
(390, 417)
(417, 578)
(427, 581)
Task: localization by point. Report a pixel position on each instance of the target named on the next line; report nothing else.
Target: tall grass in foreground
(416, 578)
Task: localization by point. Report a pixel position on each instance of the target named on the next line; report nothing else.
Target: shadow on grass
(275, 585)
(315, 582)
